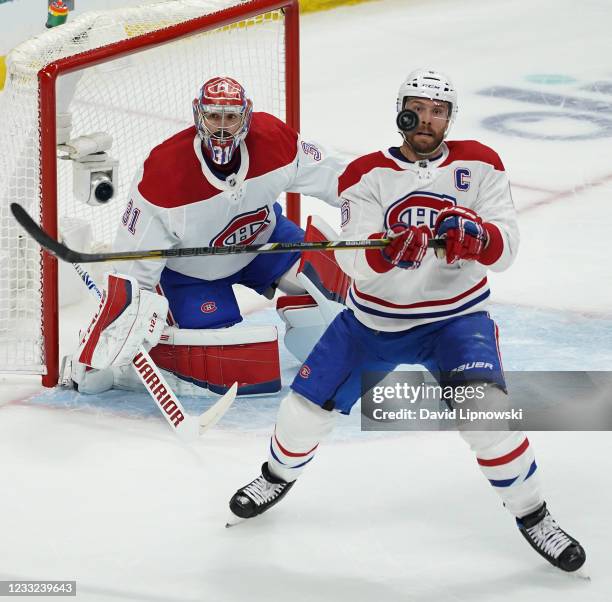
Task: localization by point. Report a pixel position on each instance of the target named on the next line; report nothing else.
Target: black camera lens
(103, 188)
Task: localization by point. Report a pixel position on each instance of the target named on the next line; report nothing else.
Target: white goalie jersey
(383, 189)
(176, 200)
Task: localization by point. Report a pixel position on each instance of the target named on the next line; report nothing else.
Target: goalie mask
(222, 113)
(431, 85)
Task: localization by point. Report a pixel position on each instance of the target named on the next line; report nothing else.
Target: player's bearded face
(433, 121)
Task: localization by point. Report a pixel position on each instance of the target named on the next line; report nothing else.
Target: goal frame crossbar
(47, 78)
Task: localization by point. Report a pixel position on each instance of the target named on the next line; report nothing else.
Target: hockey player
(407, 306)
(215, 183)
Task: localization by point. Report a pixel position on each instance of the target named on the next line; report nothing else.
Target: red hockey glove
(407, 247)
(463, 231)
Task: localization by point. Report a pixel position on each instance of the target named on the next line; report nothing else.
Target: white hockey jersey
(176, 201)
(382, 189)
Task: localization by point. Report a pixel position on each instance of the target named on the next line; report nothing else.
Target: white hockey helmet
(424, 83)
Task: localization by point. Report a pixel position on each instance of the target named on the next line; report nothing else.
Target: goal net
(131, 74)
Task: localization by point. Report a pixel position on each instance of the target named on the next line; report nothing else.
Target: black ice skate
(550, 541)
(258, 496)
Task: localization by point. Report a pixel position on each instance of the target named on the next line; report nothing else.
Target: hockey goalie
(215, 183)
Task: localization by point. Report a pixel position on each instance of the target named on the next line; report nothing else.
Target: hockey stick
(64, 253)
(185, 426)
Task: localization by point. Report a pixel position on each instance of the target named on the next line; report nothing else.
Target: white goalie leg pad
(507, 461)
(289, 282)
(200, 363)
(126, 319)
(320, 273)
(328, 308)
(306, 317)
(304, 323)
(88, 381)
(300, 426)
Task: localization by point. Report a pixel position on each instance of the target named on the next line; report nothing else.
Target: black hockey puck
(407, 120)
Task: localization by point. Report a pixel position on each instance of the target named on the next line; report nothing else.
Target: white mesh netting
(139, 100)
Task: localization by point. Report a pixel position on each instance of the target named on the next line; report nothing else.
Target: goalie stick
(185, 426)
(64, 253)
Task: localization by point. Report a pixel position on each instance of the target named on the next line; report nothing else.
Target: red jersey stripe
(433, 303)
(470, 150)
(362, 166)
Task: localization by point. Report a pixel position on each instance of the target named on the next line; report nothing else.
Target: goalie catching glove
(127, 318)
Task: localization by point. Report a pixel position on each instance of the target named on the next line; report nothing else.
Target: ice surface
(531, 340)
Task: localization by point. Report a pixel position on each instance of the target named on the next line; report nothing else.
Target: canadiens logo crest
(419, 208)
(243, 229)
(208, 307)
(305, 371)
(224, 87)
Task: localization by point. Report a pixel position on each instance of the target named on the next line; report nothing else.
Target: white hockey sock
(300, 425)
(507, 461)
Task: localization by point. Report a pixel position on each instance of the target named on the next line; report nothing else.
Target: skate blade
(233, 520)
(582, 574)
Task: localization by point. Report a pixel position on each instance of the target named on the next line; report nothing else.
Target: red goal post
(230, 20)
